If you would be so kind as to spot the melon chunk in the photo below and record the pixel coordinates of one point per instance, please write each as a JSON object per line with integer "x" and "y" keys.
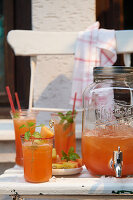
{"x": 46, "y": 132}
{"x": 64, "y": 165}
{"x": 57, "y": 166}
{"x": 54, "y": 155}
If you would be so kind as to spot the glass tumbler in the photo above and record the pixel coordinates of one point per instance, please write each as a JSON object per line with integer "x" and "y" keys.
{"x": 22, "y": 118}
{"x": 37, "y": 154}
{"x": 64, "y": 128}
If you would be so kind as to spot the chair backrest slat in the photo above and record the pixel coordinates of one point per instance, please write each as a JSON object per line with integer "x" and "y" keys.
{"x": 33, "y": 43}
{"x": 124, "y": 41}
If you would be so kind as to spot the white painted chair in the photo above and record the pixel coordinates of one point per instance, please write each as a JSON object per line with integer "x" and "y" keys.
{"x": 34, "y": 43}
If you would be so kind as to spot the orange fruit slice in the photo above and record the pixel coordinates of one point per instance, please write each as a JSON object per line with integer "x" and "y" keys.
{"x": 46, "y": 132}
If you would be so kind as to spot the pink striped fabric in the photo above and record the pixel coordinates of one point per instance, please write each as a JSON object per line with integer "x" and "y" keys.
{"x": 95, "y": 47}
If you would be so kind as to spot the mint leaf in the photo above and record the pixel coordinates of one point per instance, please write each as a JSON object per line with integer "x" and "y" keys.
{"x": 64, "y": 156}
{"x": 69, "y": 113}
{"x": 30, "y": 124}
{"x": 27, "y": 135}
{"x": 66, "y": 125}
{"x": 60, "y": 114}
{"x": 71, "y": 150}
{"x": 16, "y": 115}
{"x": 74, "y": 156}
{"x": 70, "y": 120}
{"x": 68, "y": 117}
{"x": 62, "y": 121}
{"x": 22, "y": 126}
{"x": 71, "y": 155}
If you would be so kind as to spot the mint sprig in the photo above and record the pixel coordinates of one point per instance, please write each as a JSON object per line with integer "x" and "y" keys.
{"x": 67, "y": 119}
{"x": 30, "y": 126}
{"x": 16, "y": 115}
{"x": 70, "y": 156}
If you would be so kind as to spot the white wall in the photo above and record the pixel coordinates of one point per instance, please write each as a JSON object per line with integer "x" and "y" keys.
{"x": 54, "y": 74}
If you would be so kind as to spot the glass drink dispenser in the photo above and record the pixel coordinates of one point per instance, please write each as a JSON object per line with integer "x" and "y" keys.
{"x": 107, "y": 126}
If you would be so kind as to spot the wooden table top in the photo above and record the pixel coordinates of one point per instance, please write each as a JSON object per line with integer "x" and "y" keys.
{"x": 80, "y": 185}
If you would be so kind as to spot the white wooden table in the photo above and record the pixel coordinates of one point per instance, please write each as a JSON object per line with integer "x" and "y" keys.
{"x": 80, "y": 186}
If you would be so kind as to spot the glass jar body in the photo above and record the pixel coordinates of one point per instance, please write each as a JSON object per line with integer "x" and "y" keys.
{"x": 107, "y": 124}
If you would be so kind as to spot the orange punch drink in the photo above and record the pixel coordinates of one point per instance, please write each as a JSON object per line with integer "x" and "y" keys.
{"x": 64, "y": 128}
{"x": 21, "y": 118}
{"x": 37, "y": 154}
{"x": 98, "y": 146}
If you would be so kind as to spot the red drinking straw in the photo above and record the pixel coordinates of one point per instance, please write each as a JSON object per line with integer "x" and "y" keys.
{"x": 10, "y": 99}
{"x": 75, "y": 96}
{"x": 17, "y": 100}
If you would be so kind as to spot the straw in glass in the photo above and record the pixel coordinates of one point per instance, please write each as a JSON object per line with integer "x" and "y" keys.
{"x": 17, "y": 100}
{"x": 10, "y": 98}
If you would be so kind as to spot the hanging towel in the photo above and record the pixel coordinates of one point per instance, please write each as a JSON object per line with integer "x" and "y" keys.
{"x": 94, "y": 47}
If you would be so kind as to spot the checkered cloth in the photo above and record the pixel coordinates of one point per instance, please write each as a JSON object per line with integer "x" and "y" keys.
{"x": 95, "y": 47}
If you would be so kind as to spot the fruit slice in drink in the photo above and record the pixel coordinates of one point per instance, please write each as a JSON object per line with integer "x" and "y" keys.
{"x": 46, "y": 132}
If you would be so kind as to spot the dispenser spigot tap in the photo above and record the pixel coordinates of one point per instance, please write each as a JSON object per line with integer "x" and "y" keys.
{"x": 117, "y": 162}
